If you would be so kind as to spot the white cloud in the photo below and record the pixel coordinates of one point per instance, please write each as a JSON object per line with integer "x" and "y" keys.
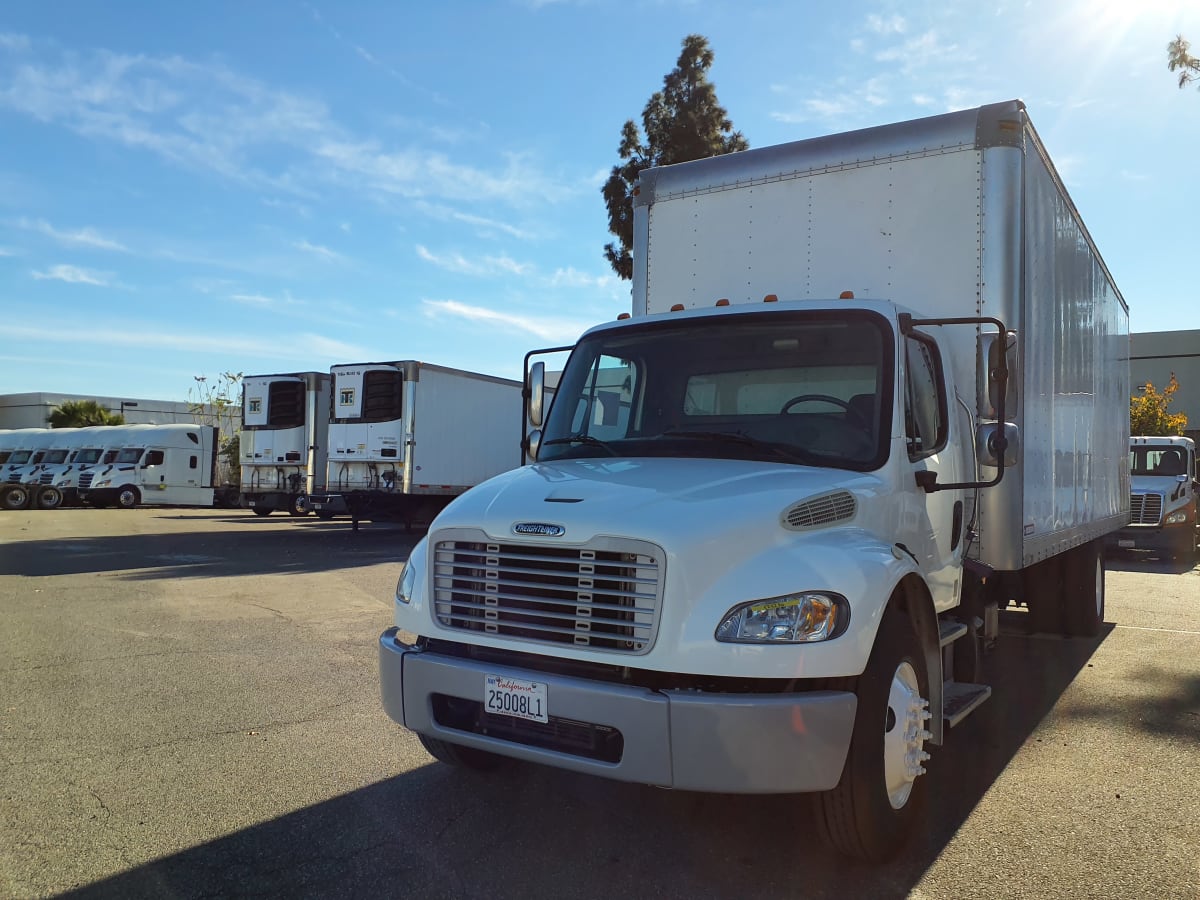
{"x": 83, "y": 237}
{"x": 1134, "y": 176}
{"x": 893, "y": 24}
{"x": 7, "y": 251}
{"x": 573, "y": 278}
{"x": 322, "y": 253}
{"x": 483, "y": 224}
{"x": 264, "y": 302}
{"x": 557, "y": 330}
{"x": 74, "y": 275}
{"x": 291, "y": 346}
{"x": 484, "y": 267}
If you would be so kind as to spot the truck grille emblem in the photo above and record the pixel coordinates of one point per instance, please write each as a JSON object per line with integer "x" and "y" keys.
{"x": 542, "y": 529}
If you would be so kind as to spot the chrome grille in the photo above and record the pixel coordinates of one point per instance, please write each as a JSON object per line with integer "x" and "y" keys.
{"x": 1145, "y": 509}
{"x": 47, "y": 478}
{"x": 605, "y": 596}
{"x": 85, "y": 480}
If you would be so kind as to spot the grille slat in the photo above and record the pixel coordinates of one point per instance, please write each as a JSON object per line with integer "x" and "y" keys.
{"x": 605, "y": 596}
{"x": 1145, "y": 509}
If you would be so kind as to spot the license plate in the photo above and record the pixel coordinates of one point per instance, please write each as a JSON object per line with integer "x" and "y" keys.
{"x": 1126, "y": 545}
{"x": 514, "y": 697}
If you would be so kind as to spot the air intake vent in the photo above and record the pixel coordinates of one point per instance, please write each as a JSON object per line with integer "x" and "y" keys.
{"x": 818, "y": 511}
{"x": 1145, "y": 509}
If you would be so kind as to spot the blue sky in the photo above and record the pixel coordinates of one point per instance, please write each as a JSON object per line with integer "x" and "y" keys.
{"x": 189, "y": 189}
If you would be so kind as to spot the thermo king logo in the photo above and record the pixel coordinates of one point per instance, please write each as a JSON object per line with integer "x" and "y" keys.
{"x": 539, "y": 528}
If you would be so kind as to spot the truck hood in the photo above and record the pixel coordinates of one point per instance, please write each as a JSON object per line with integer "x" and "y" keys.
{"x": 667, "y": 501}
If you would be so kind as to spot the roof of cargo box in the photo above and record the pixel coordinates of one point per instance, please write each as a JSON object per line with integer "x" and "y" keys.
{"x": 993, "y": 125}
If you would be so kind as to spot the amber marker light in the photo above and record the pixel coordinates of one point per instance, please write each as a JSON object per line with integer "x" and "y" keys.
{"x": 622, "y": 316}
{"x": 846, "y": 295}
{"x": 724, "y": 301}
{"x": 678, "y": 307}
{"x": 770, "y": 298}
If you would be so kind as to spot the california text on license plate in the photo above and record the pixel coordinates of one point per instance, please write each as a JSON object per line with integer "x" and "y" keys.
{"x": 514, "y": 697}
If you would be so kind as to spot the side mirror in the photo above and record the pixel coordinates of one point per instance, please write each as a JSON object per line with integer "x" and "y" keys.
{"x": 537, "y": 394}
{"x": 987, "y": 444}
{"x": 533, "y": 444}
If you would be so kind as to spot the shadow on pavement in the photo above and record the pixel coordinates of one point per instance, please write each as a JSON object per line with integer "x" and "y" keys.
{"x": 315, "y": 547}
{"x": 528, "y": 831}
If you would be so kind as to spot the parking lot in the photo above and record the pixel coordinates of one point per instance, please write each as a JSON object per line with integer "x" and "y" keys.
{"x": 190, "y": 709}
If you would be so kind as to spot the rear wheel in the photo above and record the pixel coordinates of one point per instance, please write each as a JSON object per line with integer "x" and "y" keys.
{"x": 128, "y": 497}
{"x": 461, "y": 757}
{"x": 875, "y": 808}
{"x": 262, "y": 510}
{"x": 48, "y": 498}
{"x": 299, "y": 506}
{"x": 1083, "y": 591}
{"x": 14, "y": 496}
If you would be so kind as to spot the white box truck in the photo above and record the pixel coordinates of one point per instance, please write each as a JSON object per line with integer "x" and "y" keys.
{"x": 407, "y": 437}
{"x": 1162, "y": 504}
{"x": 764, "y": 544}
{"x": 284, "y": 441}
{"x": 156, "y": 465}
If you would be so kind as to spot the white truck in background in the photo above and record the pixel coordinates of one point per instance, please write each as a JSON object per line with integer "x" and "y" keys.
{"x": 284, "y": 441}
{"x": 764, "y": 544}
{"x": 156, "y": 465}
{"x": 1163, "y": 498}
{"x": 22, "y": 449}
{"x": 407, "y": 437}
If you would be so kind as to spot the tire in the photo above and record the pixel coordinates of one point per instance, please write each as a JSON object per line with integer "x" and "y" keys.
{"x": 299, "y": 506}
{"x": 14, "y": 496}
{"x": 324, "y": 514}
{"x": 128, "y": 496}
{"x": 1043, "y": 587}
{"x": 48, "y": 498}
{"x": 461, "y": 757}
{"x": 1083, "y": 592}
{"x": 876, "y": 806}
{"x": 262, "y": 510}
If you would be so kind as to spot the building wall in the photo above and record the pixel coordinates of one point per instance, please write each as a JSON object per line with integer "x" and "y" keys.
{"x": 1154, "y": 355}
{"x": 32, "y": 410}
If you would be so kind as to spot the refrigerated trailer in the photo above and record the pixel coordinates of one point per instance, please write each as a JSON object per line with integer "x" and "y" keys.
{"x": 407, "y": 437}
{"x": 874, "y": 389}
{"x": 283, "y": 443}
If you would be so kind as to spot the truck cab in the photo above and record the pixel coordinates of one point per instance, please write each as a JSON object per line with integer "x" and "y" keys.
{"x": 26, "y": 447}
{"x": 1163, "y": 498}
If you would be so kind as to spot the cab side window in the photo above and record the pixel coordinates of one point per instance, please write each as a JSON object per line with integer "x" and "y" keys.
{"x": 924, "y": 401}
{"x": 154, "y": 458}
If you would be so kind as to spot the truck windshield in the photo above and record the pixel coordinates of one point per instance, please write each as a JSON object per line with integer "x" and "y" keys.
{"x": 800, "y": 387}
{"x": 56, "y": 456}
{"x": 1157, "y": 461}
{"x": 130, "y": 455}
{"x": 20, "y": 456}
{"x": 87, "y": 456}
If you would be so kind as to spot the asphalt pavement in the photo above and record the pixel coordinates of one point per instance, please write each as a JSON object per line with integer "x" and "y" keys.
{"x": 189, "y": 708}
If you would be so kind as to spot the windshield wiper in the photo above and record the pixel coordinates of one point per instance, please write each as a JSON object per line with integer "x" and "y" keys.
{"x": 738, "y": 437}
{"x": 582, "y": 438}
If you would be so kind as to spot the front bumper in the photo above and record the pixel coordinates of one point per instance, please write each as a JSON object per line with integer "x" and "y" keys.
{"x": 690, "y": 740}
{"x": 1178, "y": 540}
{"x": 328, "y": 503}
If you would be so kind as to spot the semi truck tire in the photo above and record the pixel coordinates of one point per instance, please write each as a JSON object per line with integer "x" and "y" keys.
{"x": 14, "y": 496}
{"x": 1044, "y": 589}
{"x": 299, "y": 506}
{"x": 48, "y": 498}
{"x": 461, "y": 757}
{"x": 1083, "y": 591}
{"x": 128, "y": 497}
{"x": 262, "y": 510}
{"x": 875, "y": 807}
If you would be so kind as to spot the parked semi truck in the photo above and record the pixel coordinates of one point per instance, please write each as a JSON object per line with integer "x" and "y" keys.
{"x": 1163, "y": 505}
{"x": 873, "y": 390}
{"x": 284, "y": 441}
{"x": 22, "y": 448}
{"x": 157, "y": 465}
{"x": 407, "y": 437}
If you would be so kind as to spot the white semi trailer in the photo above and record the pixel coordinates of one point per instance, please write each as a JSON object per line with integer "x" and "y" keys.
{"x": 284, "y": 441}
{"x": 407, "y": 437}
{"x": 1163, "y": 498}
{"x": 764, "y": 543}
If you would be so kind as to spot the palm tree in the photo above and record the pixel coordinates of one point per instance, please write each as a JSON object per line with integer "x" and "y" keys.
{"x": 80, "y": 413}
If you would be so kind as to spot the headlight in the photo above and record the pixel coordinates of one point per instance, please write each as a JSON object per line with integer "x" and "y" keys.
{"x": 104, "y": 482}
{"x": 792, "y": 619}
{"x": 407, "y": 582}
{"x": 1176, "y": 517}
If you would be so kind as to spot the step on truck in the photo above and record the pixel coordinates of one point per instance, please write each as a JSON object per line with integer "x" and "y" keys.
{"x": 407, "y": 437}
{"x": 1162, "y": 505}
{"x": 284, "y": 441}
{"x": 873, "y": 389}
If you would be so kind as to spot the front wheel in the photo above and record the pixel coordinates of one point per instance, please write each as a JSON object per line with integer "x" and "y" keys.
{"x": 15, "y": 496}
{"x": 875, "y": 808}
{"x": 48, "y": 497}
{"x": 128, "y": 497}
{"x": 299, "y": 506}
